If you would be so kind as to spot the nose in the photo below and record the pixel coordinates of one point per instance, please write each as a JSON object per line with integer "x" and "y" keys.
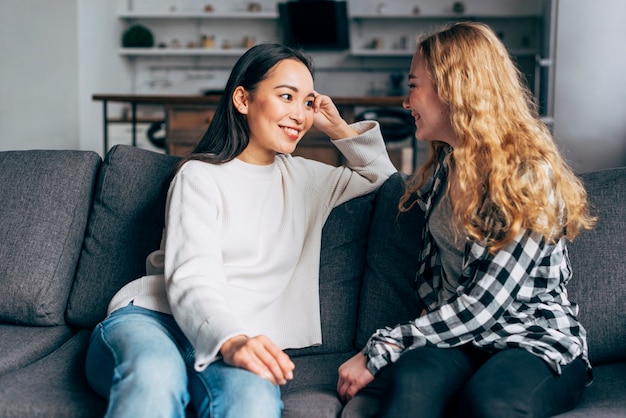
{"x": 405, "y": 103}
{"x": 297, "y": 113}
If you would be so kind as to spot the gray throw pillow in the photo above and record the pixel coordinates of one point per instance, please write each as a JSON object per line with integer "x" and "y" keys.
{"x": 125, "y": 225}
{"x": 342, "y": 261}
{"x": 44, "y": 205}
{"x": 387, "y": 296}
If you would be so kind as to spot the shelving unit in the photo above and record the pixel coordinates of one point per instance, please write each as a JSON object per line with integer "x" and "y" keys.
{"x": 383, "y": 34}
{"x": 192, "y": 25}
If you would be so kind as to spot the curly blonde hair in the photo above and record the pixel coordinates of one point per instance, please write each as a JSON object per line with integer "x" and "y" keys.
{"x": 509, "y": 174}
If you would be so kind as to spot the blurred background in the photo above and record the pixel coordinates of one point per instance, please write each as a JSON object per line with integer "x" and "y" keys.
{"x": 56, "y": 55}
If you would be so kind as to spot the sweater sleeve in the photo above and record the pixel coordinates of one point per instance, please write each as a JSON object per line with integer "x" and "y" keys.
{"x": 367, "y": 165}
{"x": 194, "y": 274}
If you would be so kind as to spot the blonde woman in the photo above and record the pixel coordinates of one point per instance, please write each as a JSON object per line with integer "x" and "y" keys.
{"x": 498, "y": 336}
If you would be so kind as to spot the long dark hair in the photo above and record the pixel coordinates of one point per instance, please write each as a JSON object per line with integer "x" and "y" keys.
{"x": 228, "y": 133}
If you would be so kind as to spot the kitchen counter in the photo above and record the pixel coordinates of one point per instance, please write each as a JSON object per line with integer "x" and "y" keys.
{"x": 187, "y": 117}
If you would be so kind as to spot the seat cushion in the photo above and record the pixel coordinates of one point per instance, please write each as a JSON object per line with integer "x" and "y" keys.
{"x": 46, "y": 196}
{"x": 22, "y": 345}
{"x": 605, "y": 397}
{"x": 312, "y": 392}
{"x": 54, "y": 386}
{"x": 125, "y": 225}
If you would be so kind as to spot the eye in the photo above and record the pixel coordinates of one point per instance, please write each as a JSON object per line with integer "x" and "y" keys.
{"x": 411, "y": 85}
{"x": 309, "y": 103}
{"x": 286, "y": 96}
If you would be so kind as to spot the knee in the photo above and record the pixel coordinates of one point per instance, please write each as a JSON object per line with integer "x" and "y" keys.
{"x": 254, "y": 398}
{"x": 481, "y": 404}
{"x": 154, "y": 370}
{"x": 261, "y": 396}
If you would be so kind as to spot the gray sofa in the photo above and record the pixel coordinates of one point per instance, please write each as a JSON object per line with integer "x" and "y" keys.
{"x": 75, "y": 228}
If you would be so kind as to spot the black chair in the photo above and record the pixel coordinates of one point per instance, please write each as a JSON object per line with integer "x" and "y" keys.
{"x": 396, "y": 124}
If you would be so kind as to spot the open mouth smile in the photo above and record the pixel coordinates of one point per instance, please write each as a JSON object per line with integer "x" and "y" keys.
{"x": 292, "y": 133}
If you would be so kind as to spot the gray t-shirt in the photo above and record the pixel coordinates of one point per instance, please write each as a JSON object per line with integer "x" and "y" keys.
{"x": 450, "y": 244}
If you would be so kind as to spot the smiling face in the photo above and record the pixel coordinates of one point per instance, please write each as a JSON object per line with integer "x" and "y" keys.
{"x": 279, "y": 111}
{"x": 432, "y": 117}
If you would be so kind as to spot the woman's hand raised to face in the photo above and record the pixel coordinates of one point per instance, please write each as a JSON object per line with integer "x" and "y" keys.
{"x": 328, "y": 120}
{"x": 260, "y": 356}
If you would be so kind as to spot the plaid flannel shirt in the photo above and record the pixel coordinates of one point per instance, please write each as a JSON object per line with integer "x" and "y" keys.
{"x": 514, "y": 298}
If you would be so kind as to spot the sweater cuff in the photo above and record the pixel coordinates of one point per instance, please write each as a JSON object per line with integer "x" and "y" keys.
{"x": 209, "y": 341}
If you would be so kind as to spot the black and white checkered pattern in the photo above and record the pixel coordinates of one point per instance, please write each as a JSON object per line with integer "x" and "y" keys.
{"x": 514, "y": 298}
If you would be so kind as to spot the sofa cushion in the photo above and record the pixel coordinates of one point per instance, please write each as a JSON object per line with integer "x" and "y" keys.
{"x": 54, "y": 386}
{"x": 45, "y": 198}
{"x": 125, "y": 225}
{"x": 312, "y": 404}
{"x": 387, "y": 296}
{"x": 22, "y": 345}
{"x": 342, "y": 261}
{"x": 605, "y": 397}
{"x": 598, "y": 284}
{"x": 313, "y": 390}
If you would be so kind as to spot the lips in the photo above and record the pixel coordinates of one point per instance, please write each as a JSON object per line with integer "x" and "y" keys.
{"x": 292, "y": 133}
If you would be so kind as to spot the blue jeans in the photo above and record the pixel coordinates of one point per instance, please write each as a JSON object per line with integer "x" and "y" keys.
{"x": 142, "y": 363}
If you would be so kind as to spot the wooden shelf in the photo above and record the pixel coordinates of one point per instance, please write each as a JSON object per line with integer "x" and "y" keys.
{"x": 198, "y": 15}
{"x": 443, "y": 16}
{"x": 235, "y": 52}
{"x": 381, "y": 53}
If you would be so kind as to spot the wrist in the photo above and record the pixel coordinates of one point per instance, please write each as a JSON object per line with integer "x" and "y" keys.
{"x": 341, "y": 131}
{"x": 232, "y": 343}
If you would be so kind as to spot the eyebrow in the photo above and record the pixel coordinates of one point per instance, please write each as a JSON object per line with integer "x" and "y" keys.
{"x": 311, "y": 94}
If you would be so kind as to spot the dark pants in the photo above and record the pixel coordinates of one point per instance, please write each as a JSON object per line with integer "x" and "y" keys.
{"x": 467, "y": 382}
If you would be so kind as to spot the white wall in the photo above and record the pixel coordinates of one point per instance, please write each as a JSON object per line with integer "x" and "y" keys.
{"x": 100, "y": 68}
{"x": 38, "y": 74}
{"x": 590, "y": 91}
{"x": 55, "y": 54}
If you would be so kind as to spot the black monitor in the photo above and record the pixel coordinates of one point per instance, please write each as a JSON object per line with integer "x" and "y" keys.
{"x": 315, "y": 24}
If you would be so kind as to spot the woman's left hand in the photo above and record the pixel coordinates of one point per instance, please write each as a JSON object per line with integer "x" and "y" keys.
{"x": 328, "y": 120}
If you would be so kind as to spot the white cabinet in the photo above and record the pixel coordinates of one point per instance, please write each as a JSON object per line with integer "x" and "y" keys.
{"x": 383, "y": 35}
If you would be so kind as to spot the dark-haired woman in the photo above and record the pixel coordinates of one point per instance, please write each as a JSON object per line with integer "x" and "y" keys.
{"x": 241, "y": 253}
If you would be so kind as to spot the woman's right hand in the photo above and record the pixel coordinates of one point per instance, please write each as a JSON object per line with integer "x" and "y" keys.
{"x": 260, "y": 356}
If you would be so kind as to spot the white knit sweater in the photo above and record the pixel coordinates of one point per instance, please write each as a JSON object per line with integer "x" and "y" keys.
{"x": 242, "y": 244}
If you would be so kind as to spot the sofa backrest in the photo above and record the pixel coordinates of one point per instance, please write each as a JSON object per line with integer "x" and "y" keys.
{"x": 598, "y": 260}
{"x": 125, "y": 225}
{"x": 342, "y": 263}
{"x": 45, "y": 198}
{"x": 387, "y": 297}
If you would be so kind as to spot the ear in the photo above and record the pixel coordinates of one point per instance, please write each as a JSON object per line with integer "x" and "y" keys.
{"x": 241, "y": 100}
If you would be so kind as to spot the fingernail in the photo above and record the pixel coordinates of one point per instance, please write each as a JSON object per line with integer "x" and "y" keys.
{"x": 289, "y": 375}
